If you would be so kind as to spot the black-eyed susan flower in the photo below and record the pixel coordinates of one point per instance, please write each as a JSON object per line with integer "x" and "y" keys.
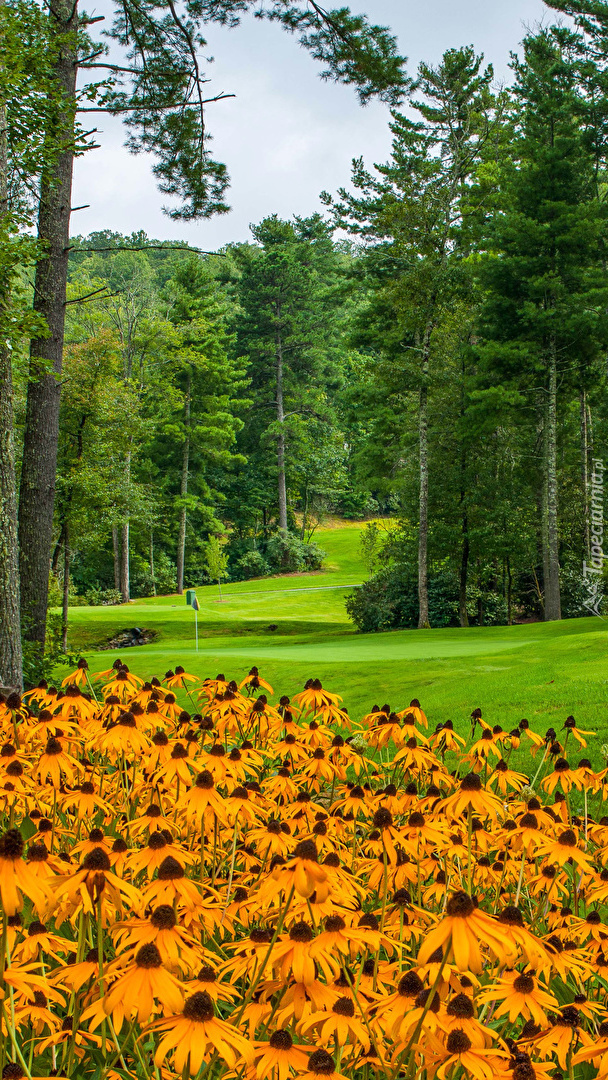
{"x": 279, "y": 1057}
{"x": 195, "y": 1033}
{"x": 519, "y": 994}
{"x": 461, "y": 933}
{"x": 145, "y": 989}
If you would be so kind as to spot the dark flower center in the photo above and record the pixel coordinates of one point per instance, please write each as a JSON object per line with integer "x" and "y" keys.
{"x": 321, "y": 1063}
{"x": 410, "y": 984}
{"x": 567, "y": 838}
{"x": 301, "y": 932}
{"x": 461, "y": 1006}
{"x": 383, "y": 818}
{"x": 204, "y": 780}
{"x": 170, "y": 869}
{"x": 281, "y": 1040}
{"x": 148, "y": 957}
{"x": 199, "y": 1007}
{"x": 343, "y": 1007}
{"x": 524, "y": 984}
{"x": 156, "y": 841}
{"x": 306, "y": 849}
{"x": 207, "y": 974}
{"x": 96, "y": 859}
{"x": 457, "y": 1042}
{"x": 460, "y": 905}
{"x": 163, "y": 917}
{"x": 11, "y": 844}
{"x": 471, "y": 782}
{"x": 511, "y": 916}
{"x": 333, "y": 923}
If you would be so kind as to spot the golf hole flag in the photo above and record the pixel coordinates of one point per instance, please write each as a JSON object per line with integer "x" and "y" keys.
{"x": 192, "y": 600}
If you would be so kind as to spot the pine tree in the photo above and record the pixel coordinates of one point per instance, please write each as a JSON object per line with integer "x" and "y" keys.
{"x": 546, "y": 292}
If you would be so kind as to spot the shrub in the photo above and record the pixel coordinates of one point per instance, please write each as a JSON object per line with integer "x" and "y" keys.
{"x": 287, "y": 554}
{"x": 96, "y": 597}
{"x": 251, "y": 565}
{"x": 389, "y": 600}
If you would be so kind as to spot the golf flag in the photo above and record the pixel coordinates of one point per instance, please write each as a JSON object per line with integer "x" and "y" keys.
{"x": 192, "y": 601}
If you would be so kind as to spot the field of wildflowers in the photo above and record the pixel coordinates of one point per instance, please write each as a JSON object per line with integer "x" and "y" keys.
{"x": 198, "y": 883}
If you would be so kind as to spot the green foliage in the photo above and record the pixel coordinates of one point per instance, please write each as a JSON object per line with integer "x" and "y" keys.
{"x": 389, "y": 600}
{"x": 216, "y": 559}
{"x": 286, "y": 554}
{"x": 102, "y": 597}
{"x": 39, "y": 664}
{"x": 250, "y": 565}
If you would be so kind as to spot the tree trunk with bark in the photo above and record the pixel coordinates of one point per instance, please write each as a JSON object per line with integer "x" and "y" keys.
{"x": 66, "y": 591}
{"x": 181, "y": 538}
{"x": 282, "y": 487}
{"x": 585, "y": 472}
{"x": 464, "y": 572}
{"x": 11, "y": 662}
{"x": 124, "y": 563}
{"x": 152, "y": 563}
{"x": 116, "y": 553}
{"x": 423, "y": 466}
{"x": 552, "y": 587}
{"x": 38, "y": 473}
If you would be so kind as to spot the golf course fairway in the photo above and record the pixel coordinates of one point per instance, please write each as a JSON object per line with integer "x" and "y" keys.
{"x": 295, "y": 628}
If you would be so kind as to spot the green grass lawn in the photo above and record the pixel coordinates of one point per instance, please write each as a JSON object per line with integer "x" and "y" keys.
{"x": 542, "y": 671}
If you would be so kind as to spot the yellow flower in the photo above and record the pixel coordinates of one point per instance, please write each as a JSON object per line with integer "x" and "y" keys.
{"x": 196, "y": 1033}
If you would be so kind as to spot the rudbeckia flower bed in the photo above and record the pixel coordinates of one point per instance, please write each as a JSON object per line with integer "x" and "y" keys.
{"x": 198, "y": 882}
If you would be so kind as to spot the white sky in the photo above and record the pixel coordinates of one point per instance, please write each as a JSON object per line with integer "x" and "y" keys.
{"x": 287, "y": 135}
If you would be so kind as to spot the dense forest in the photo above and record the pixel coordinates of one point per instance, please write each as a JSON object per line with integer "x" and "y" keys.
{"x": 431, "y": 349}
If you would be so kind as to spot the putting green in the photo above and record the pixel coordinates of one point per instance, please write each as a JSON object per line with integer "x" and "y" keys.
{"x": 295, "y": 628}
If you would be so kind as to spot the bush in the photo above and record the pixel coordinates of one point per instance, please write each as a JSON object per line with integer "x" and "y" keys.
{"x": 287, "y": 554}
{"x": 251, "y": 565}
{"x": 165, "y": 576}
{"x": 494, "y": 608}
{"x": 96, "y": 597}
{"x": 389, "y": 600}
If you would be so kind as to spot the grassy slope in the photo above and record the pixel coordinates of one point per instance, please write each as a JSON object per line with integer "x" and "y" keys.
{"x": 539, "y": 671}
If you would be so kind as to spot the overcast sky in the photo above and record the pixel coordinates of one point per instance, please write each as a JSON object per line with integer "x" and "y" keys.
{"x": 287, "y": 135}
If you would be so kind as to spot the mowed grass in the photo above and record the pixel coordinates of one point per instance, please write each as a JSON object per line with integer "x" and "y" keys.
{"x": 544, "y": 672}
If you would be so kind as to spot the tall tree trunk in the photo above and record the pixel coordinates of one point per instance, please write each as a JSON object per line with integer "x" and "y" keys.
{"x": 124, "y": 563}
{"x": 38, "y": 473}
{"x": 464, "y": 570}
{"x": 509, "y": 593}
{"x": 125, "y": 588}
{"x": 423, "y": 528}
{"x": 281, "y": 439}
{"x": 541, "y": 498}
{"x": 552, "y": 588}
{"x": 181, "y": 538}
{"x": 66, "y": 590}
{"x": 304, "y": 514}
{"x": 116, "y": 553}
{"x": 585, "y": 472}
{"x": 11, "y": 664}
{"x": 152, "y": 562}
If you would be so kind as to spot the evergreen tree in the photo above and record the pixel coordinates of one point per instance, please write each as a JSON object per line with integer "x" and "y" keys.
{"x": 287, "y": 330}
{"x": 410, "y": 212}
{"x": 546, "y": 295}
